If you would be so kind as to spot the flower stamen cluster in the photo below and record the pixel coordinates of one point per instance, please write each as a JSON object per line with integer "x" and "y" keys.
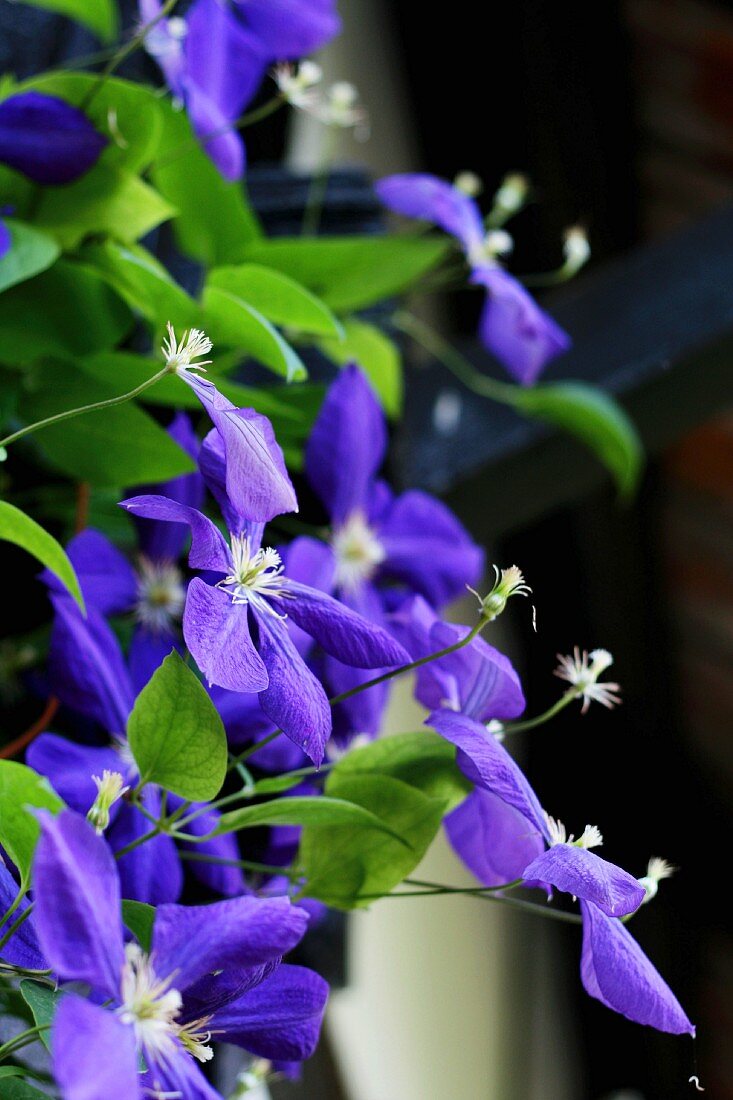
{"x": 254, "y": 575}
{"x": 161, "y": 595}
{"x": 657, "y": 870}
{"x": 150, "y": 1005}
{"x": 110, "y": 788}
{"x": 358, "y": 552}
{"x": 581, "y": 671}
{"x": 591, "y": 837}
{"x": 179, "y": 355}
{"x": 507, "y": 583}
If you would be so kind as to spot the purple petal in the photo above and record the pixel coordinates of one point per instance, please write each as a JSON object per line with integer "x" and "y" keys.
{"x": 208, "y": 546}
{"x": 585, "y": 875}
{"x": 616, "y": 972}
{"x": 242, "y": 715}
{"x": 225, "y": 880}
{"x": 77, "y": 903}
{"x": 220, "y": 141}
{"x": 347, "y": 445}
{"x": 93, "y": 1052}
{"x": 6, "y": 239}
{"x": 514, "y": 328}
{"x": 161, "y": 541}
{"x": 47, "y": 139}
{"x": 70, "y": 768}
{"x": 257, "y": 481}
{"x": 494, "y": 840}
{"x": 280, "y": 1018}
{"x": 362, "y": 713}
{"x": 147, "y": 653}
{"x": 86, "y": 666}
{"x": 428, "y": 549}
{"x": 194, "y": 942}
{"x": 23, "y": 948}
{"x": 417, "y": 195}
{"x": 289, "y": 29}
{"x": 487, "y": 764}
{"x": 177, "y": 1077}
{"x": 151, "y": 872}
{"x": 340, "y": 631}
{"x": 217, "y": 633}
{"x": 107, "y": 579}
{"x": 311, "y": 562}
{"x": 295, "y": 699}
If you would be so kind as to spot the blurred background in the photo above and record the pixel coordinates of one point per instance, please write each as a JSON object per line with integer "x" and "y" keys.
{"x": 621, "y": 114}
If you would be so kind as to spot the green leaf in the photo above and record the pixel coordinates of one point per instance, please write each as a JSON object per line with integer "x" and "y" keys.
{"x": 12, "y": 1071}
{"x": 144, "y": 284}
{"x": 31, "y": 252}
{"x": 307, "y": 810}
{"x": 42, "y": 1001}
{"x": 176, "y": 734}
{"x": 214, "y": 223}
{"x": 20, "y": 529}
{"x": 106, "y": 200}
{"x": 349, "y": 273}
{"x": 422, "y": 759}
{"x": 129, "y": 115}
{"x": 231, "y": 321}
{"x": 20, "y": 788}
{"x": 121, "y": 445}
{"x": 278, "y": 298}
{"x": 139, "y": 918}
{"x": 378, "y": 357}
{"x": 348, "y": 868}
{"x": 17, "y": 1089}
{"x": 67, "y": 309}
{"x": 99, "y": 15}
{"x": 594, "y": 418}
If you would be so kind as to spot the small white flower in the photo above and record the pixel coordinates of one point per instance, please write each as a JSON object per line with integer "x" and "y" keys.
{"x": 357, "y": 550}
{"x": 582, "y": 670}
{"x": 297, "y": 84}
{"x": 110, "y": 788}
{"x": 591, "y": 836}
{"x": 341, "y": 109}
{"x": 657, "y": 870}
{"x": 179, "y": 356}
{"x": 507, "y": 583}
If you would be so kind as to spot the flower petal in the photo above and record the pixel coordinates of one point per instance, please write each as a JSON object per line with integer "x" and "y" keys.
{"x": 290, "y": 29}
{"x": 93, "y": 1052}
{"x": 487, "y": 764}
{"x": 216, "y": 631}
{"x": 196, "y": 941}
{"x": 107, "y": 579}
{"x": 70, "y": 768}
{"x": 47, "y": 139}
{"x": 23, "y": 948}
{"x": 208, "y": 546}
{"x": 147, "y": 652}
{"x": 77, "y": 903}
{"x": 616, "y": 972}
{"x": 162, "y": 541}
{"x": 295, "y": 699}
{"x": 428, "y": 549}
{"x": 585, "y": 875}
{"x": 513, "y": 327}
{"x": 178, "y": 1078}
{"x": 347, "y": 445}
{"x": 341, "y": 632}
{"x": 494, "y": 840}
{"x": 223, "y": 879}
{"x": 151, "y": 872}
{"x": 418, "y": 195}
{"x": 278, "y": 1019}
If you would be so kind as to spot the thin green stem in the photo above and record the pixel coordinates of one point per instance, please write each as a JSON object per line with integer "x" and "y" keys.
{"x": 245, "y": 864}
{"x": 532, "y": 723}
{"x": 125, "y": 51}
{"x": 22, "y": 1040}
{"x": 14, "y": 905}
{"x": 248, "y": 119}
{"x": 16, "y": 925}
{"x": 137, "y": 842}
{"x": 318, "y": 187}
{"x": 248, "y": 752}
{"x": 488, "y": 894}
{"x": 68, "y": 414}
{"x": 457, "y": 364}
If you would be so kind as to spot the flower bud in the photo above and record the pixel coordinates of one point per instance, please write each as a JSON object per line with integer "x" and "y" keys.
{"x": 508, "y": 582}
{"x": 512, "y": 194}
{"x": 657, "y": 869}
{"x": 469, "y": 184}
{"x": 110, "y": 788}
{"x": 576, "y": 249}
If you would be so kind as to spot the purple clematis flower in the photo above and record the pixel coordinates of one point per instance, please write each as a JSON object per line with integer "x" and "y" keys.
{"x": 89, "y": 675}
{"x": 22, "y": 949}
{"x": 381, "y": 546}
{"x": 211, "y": 970}
{"x": 236, "y": 628}
{"x": 614, "y": 969}
{"x": 513, "y": 327}
{"x": 215, "y": 60}
{"x": 47, "y": 139}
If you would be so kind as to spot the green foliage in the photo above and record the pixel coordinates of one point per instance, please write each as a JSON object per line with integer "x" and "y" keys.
{"x": 99, "y": 15}
{"x": 596, "y": 419}
{"x": 350, "y": 273}
{"x": 21, "y": 789}
{"x": 144, "y": 284}
{"x": 20, "y": 529}
{"x": 31, "y": 252}
{"x": 304, "y": 810}
{"x": 278, "y": 298}
{"x": 176, "y": 734}
{"x": 231, "y": 321}
{"x": 139, "y": 918}
{"x": 423, "y": 760}
{"x": 16, "y": 1089}
{"x": 42, "y": 1001}
{"x": 378, "y": 357}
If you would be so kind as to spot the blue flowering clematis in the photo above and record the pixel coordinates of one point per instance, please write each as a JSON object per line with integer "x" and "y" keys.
{"x": 215, "y": 60}
{"x": 382, "y": 547}
{"x": 613, "y": 969}
{"x": 512, "y": 327}
{"x": 89, "y": 675}
{"x": 211, "y": 970}
{"x": 47, "y": 139}
{"x": 237, "y": 629}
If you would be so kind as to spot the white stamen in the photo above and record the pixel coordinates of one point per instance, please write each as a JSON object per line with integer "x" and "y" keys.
{"x": 590, "y": 837}
{"x": 511, "y": 195}
{"x": 297, "y": 85}
{"x": 496, "y": 729}
{"x": 582, "y": 672}
{"x": 195, "y": 1037}
{"x": 469, "y": 184}
{"x": 657, "y": 869}
{"x": 576, "y": 249}
{"x": 110, "y": 788}
{"x": 507, "y": 583}
{"x": 149, "y": 1005}
{"x": 255, "y": 578}
{"x": 342, "y": 109}
{"x": 179, "y": 356}
{"x": 160, "y": 595}
{"x": 358, "y": 552}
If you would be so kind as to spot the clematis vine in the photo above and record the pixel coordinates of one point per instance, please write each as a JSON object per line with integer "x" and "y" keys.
{"x": 212, "y": 972}
{"x": 513, "y": 327}
{"x": 237, "y": 629}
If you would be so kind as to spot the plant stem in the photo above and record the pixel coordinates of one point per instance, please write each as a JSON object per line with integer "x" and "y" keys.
{"x": 125, "y": 51}
{"x": 137, "y": 842}
{"x": 21, "y": 1040}
{"x": 70, "y": 413}
{"x": 532, "y": 723}
{"x": 487, "y": 894}
{"x": 248, "y": 119}
{"x": 245, "y": 864}
{"x": 457, "y": 364}
{"x": 17, "y": 922}
{"x": 318, "y": 187}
